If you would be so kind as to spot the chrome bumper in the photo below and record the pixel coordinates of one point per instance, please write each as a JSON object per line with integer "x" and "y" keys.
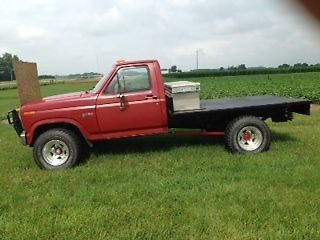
{"x": 23, "y": 138}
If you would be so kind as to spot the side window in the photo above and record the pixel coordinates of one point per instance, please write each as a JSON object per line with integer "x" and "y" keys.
{"x": 130, "y": 79}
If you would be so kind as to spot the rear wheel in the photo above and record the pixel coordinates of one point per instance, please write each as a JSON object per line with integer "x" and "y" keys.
{"x": 248, "y": 134}
{"x": 57, "y": 149}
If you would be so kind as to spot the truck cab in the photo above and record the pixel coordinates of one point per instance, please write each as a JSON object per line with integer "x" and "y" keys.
{"x": 131, "y": 101}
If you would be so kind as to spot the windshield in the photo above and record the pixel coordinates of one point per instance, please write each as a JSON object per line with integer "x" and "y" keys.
{"x": 102, "y": 81}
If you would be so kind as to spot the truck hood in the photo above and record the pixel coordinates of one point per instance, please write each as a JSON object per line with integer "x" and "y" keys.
{"x": 69, "y": 100}
{"x": 63, "y": 97}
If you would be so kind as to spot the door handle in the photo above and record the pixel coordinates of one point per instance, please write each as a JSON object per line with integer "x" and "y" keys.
{"x": 150, "y": 97}
{"x": 122, "y": 103}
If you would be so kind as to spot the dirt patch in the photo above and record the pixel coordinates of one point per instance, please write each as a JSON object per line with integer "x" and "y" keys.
{"x": 315, "y": 107}
{"x": 77, "y": 81}
{"x": 4, "y": 121}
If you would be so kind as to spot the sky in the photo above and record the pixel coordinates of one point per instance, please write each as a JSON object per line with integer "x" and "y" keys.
{"x": 75, "y": 36}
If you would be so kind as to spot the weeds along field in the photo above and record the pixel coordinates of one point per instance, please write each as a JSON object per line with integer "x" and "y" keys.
{"x": 166, "y": 187}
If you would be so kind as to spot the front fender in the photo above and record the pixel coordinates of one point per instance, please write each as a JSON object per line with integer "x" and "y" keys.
{"x": 30, "y": 136}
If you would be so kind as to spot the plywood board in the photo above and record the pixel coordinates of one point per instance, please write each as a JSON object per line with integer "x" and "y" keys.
{"x": 27, "y": 81}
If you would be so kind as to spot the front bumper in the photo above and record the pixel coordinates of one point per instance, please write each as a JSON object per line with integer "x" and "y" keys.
{"x": 23, "y": 138}
{"x": 14, "y": 119}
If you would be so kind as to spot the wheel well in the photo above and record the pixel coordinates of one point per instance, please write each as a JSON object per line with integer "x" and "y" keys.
{"x": 233, "y": 118}
{"x": 43, "y": 128}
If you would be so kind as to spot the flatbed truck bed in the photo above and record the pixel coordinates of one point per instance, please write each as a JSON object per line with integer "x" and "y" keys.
{"x": 214, "y": 114}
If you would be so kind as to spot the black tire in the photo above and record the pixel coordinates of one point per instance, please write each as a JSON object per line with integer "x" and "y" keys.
{"x": 247, "y": 134}
{"x": 57, "y": 148}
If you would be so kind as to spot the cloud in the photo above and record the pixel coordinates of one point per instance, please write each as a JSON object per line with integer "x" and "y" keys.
{"x": 29, "y": 32}
{"x": 77, "y": 36}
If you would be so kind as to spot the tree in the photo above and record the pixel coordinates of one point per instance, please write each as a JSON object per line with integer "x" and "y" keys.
{"x": 232, "y": 68}
{"x": 6, "y": 68}
{"x": 284, "y": 65}
{"x": 300, "y": 65}
{"x": 173, "y": 69}
{"x": 242, "y": 67}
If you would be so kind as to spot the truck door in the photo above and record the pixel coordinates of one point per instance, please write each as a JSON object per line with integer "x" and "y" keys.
{"x": 130, "y": 103}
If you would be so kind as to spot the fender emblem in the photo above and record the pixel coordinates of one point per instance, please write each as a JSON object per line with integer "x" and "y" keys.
{"x": 87, "y": 114}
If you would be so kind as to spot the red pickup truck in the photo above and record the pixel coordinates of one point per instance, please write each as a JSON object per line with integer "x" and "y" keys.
{"x": 131, "y": 101}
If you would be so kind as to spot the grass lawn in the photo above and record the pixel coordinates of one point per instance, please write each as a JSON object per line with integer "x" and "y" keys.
{"x": 168, "y": 187}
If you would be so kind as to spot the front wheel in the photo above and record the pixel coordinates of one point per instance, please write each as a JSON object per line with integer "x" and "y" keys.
{"x": 248, "y": 134}
{"x": 57, "y": 149}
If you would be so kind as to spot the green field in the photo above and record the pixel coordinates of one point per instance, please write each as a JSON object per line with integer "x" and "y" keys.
{"x": 166, "y": 187}
{"x": 298, "y": 85}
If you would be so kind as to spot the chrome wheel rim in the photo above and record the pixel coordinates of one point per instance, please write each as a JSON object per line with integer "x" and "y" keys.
{"x": 55, "y": 152}
{"x": 250, "y": 138}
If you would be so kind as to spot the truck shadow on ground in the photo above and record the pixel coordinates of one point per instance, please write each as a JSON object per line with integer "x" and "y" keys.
{"x": 165, "y": 143}
{"x": 152, "y": 144}
{"x": 282, "y": 137}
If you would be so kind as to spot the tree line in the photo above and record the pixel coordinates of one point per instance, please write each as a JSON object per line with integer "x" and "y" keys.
{"x": 7, "y": 73}
{"x": 243, "y": 70}
{"x": 6, "y": 68}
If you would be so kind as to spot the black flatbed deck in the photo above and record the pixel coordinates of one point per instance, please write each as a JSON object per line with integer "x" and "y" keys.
{"x": 239, "y": 103}
{"x": 213, "y": 112}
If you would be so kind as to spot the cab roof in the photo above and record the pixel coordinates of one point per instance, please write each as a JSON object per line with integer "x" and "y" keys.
{"x": 124, "y": 62}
